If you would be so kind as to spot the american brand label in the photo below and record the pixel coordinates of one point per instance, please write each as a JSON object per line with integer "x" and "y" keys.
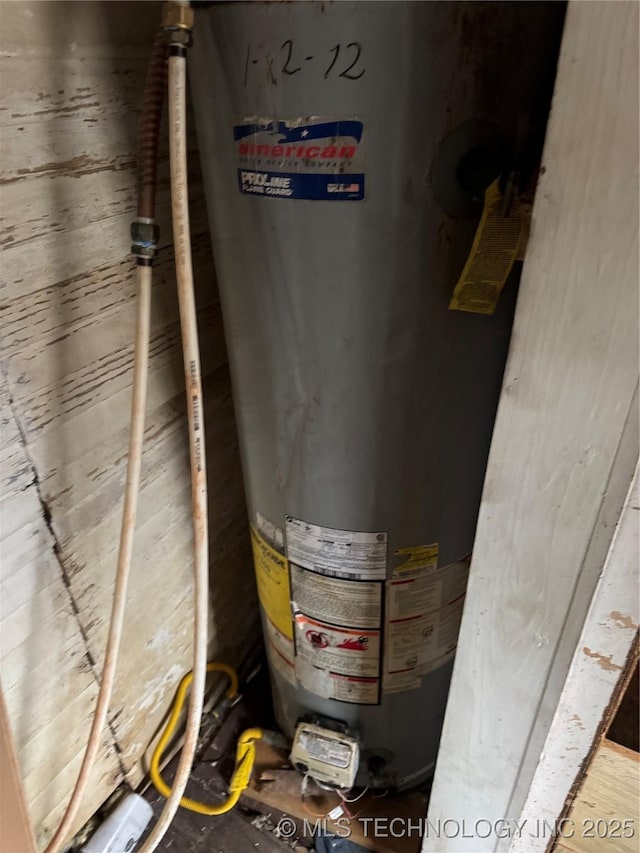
{"x": 313, "y": 158}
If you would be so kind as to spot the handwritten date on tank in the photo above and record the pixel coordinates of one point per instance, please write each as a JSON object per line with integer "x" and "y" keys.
{"x": 343, "y": 60}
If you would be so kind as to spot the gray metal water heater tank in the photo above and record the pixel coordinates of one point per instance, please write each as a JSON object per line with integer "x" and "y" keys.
{"x": 346, "y": 147}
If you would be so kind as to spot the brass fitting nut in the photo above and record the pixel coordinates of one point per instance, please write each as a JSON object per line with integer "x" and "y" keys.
{"x": 176, "y": 16}
{"x": 178, "y": 36}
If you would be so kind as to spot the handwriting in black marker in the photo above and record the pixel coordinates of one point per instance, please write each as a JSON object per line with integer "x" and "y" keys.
{"x": 333, "y": 61}
{"x": 246, "y": 64}
{"x": 345, "y": 73}
{"x": 287, "y": 49}
{"x": 285, "y": 68}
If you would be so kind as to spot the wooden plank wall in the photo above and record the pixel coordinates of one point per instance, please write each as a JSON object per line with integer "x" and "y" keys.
{"x": 16, "y": 832}
{"x": 72, "y": 76}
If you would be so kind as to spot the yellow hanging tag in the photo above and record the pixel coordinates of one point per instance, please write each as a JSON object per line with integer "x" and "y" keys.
{"x": 495, "y": 248}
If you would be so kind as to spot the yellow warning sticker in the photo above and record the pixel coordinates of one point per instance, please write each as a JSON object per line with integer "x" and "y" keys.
{"x": 495, "y": 248}
{"x": 272, "y": 576}
{"x": 418, "y": 557}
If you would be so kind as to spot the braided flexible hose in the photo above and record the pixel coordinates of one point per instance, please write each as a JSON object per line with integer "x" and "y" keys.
{"x": 149, "y": 129}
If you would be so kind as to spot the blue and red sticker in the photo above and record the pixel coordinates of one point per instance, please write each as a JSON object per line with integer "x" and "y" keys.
{"x": 318, "y": 159}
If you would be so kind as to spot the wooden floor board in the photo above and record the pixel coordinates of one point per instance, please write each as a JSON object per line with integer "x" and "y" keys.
{"x": 605, "y": 815}
{"x": 230, "y": 833}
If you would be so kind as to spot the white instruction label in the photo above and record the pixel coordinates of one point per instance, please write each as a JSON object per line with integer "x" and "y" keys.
{"x": 327, "y": 750}
{"x": 423, "y": 620}
{"x": 399, "y": 682}
{"x": 359, "y": 690}
{"x": 338, "y": 553}
{"x": 422, "y": 643}
{"x": 281, "y": 652}
{"x": 357, "y": 604}
{"x": 426, "y": 591}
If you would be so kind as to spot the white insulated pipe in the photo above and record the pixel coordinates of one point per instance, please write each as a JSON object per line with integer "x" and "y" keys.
{"x": 191, "y": 356}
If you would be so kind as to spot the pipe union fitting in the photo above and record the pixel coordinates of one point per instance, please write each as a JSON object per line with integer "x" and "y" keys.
{"x": 143, "y": 251}
{"x": 144, "y": 232}
{"x": 144, "y": 237}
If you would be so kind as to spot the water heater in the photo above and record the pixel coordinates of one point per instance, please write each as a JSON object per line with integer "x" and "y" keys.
{"x": 346, "y": 148}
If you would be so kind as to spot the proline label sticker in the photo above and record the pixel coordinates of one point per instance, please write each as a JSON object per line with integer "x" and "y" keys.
{"x": 315, "y": 158}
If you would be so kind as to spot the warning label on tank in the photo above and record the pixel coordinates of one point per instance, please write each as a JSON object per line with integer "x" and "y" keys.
{"x": 339, "y": 553}
{"x": 356, "y": 604}
{"x": 272, "y": 578}
{"x": 336, "y": 662}
{"x": 422, "y": 623}
{"x": 315, "y": 158}
{"x": 426, "y": 592}
{"x": 280, "y": 651}
{"x": 422, "y": 643}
